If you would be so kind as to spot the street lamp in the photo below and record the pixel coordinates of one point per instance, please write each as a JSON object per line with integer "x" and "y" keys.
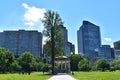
{"x": 72, "y": 63}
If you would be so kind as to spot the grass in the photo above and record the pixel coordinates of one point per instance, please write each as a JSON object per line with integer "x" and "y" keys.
{"x": 78, "y": 75}
{"x": 33, "y": 76}
{"x": 97, "y": 75}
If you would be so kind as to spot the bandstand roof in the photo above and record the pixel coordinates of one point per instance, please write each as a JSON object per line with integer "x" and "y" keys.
{"x": 62, "y": 58}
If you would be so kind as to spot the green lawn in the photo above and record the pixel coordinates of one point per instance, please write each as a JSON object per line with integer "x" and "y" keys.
{"x": 33, "y": 76}
{"x": 97, "y": 75}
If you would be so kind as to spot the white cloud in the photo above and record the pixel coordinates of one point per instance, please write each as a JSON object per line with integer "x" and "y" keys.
{"x": 44, "y": 40}
{"x": 29, "y": 23}
{"x": 41, "y": 27}
{"x": 33, "y": 15}
{"x": 25, "y": 5}
{"x": 108, "y": 39}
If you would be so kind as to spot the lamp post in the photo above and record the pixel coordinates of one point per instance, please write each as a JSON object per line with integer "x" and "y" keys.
{"x": 72, "y": 63}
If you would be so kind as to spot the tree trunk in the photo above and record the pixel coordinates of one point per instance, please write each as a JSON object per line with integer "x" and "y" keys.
{"x": 53, "y": 50}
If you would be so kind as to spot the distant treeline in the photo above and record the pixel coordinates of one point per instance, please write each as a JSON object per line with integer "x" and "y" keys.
{"x": 26, "y": 63}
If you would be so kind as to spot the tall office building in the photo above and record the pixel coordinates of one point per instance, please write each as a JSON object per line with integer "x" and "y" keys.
{"x": 105, "y": 52}
{"x": 68, "y": 47}
{"x": 89, "y": 40}
{"x": 65, "y": 33}
{"x": 117, "y": 48}
{"x": 21, "y": 41}
{"x": 112, "y": 54}
{"x": 65, "y": 38}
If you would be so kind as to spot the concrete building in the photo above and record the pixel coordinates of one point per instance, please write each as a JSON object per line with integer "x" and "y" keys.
{"x": 117, "y": 48}
{"x": 89, "y": 40}
{"x": 21, "y": 41}
{"x": 105, "y": 52}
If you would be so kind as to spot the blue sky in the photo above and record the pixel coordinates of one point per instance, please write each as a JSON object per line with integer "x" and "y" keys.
{"x": 26, "y": 14}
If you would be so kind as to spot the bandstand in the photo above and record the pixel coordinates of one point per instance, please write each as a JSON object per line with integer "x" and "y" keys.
{"x": 62, "y": 64}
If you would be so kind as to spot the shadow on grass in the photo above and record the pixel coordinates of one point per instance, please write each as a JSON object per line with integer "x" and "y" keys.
{"x": 45, "y": 73}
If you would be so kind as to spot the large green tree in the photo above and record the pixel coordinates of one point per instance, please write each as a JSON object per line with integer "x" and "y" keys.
{"x": 116, "y": 63}
{"x": 84, "y": 65}
{"x": 75, "y": 59}
{"x": 26, "y": 60}
{"x": 54, "y": 42}
{"x": 102, "y": 64}
{"x": 6, "y": 58}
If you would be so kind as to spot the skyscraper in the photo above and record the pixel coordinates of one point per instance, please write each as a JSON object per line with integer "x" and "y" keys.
{"x": 21, "y": 41}
{"x": 68, "y": 47}
{"x": 89, "y": 40}
{"x": 65, "y": 37}
{"x": 112, "y": 53}
{"x": 117, "y": 48}
{"x": 105, "y": 52}
{"x": 65, "y": 33}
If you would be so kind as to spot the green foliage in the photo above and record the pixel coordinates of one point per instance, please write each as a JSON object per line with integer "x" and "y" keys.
{"x": 34, "y": 65}
{"x": 52, "y": 19}
{"x": 15, "y": 67}
{"x": 44, "y": 60}
{"x": 25, "y": 63}
{"x": 84, "y": 65}
{"x": 26, "y": 60}
{"x": 40, "y": 66}
{"x": 116, "y": 64}
{"x": 102, "y": 64}
{"x": 6, "y": 58}
{"x": 45, "y": 67}
{"x": 75, "y": 59}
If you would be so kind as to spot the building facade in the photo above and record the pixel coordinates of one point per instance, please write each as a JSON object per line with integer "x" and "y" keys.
{"x": 65, "y": 38}
{"x": 70, "y": 48}
{"x": 117, "y": 49}
{"x": 89, "y": 40}
{"x": 21, "y": 41}
{"x": 112, "y": 54}
{"x": 105, "y": 52}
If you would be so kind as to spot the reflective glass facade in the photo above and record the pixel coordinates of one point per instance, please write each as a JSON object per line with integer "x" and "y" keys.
{"x": 89, "y": 40}
{"x": 21, "y": 41}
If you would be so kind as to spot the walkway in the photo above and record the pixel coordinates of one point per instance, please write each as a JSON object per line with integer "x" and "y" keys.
{"x": 61, "y": 77}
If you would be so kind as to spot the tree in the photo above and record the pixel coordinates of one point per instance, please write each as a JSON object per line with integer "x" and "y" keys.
{"x": 102, "y": 64}
{"x": 84, "y": 65}
{"x": 40, "y": 66}
{"x": 15, "y": 67}
{"x": 45, "y": 67}
{"x": 6, "y": 58}
{"x": 75, "y": 59}
{"x": 54, "y": 42}
{"x": 26, "y": 60}
{"x": 116, "y": 64}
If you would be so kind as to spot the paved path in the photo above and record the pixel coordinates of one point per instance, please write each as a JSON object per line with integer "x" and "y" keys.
{"x": 61, "y": 77}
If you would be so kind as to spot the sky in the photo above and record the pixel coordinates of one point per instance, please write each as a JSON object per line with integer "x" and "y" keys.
{"x": 27, "y": 14}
